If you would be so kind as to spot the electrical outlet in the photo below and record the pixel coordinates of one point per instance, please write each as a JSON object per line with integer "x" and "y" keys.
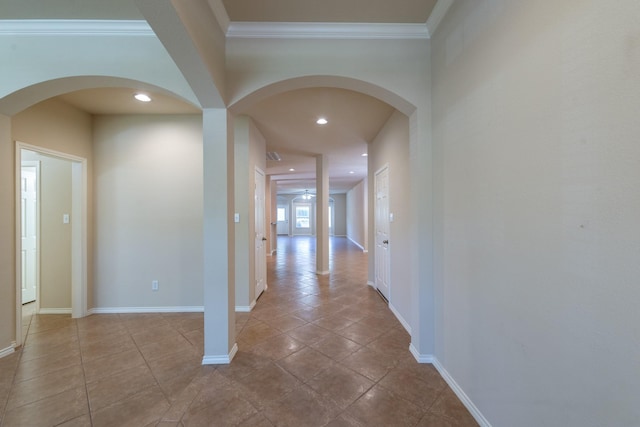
{"x": 154, "y": 285}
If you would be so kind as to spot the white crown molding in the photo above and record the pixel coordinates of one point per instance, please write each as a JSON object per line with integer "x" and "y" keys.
{"x": 325, "y": 30}
{"x": 220, "y": 13}
{"x": 437, "y": 14}
{"x": 74, "y": 27}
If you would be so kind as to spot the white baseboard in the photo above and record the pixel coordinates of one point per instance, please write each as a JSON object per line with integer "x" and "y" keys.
{"x": 9, "y": 350}
{"x": 322, "y": 273}
{"x": 466, "y": 401}
{"x": 123, "y": 310}
{"x": 54, "y": 311}
{"x": 421, "y": 358}
{"x": 403, "y": 322}
{"x": 220, "y": 360}
{"x": 357, "y": 244}
{"x": 245, "y": 308}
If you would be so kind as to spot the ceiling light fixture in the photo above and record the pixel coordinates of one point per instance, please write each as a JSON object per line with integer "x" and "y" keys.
{"x": 351, "y": 172}
{"x": 322, "y": 121}
{"x": 142, "y": 97}
{"x": 306, "y": 195}
{"x": 292, "y": 170}
{"x": 364, "y": 154}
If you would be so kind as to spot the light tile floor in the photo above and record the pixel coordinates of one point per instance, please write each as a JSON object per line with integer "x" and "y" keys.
{"x": 315, "y": 351}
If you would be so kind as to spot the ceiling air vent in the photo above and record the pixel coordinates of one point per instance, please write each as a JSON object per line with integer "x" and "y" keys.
{"x": 272, "y": 155}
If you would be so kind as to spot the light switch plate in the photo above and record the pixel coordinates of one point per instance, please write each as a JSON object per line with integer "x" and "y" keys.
{"x": 236, "y": 217}
{"x": 65, "y": 219}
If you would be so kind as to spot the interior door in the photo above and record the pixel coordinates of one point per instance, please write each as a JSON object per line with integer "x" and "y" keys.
{"x": 283, "y": 219}
{"x": 382, "y": 255}
{"x": 260, "y": 239}
{"x": 29, "y": 229}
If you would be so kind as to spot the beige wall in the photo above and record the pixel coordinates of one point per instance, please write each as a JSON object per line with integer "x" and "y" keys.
{"x": 7, "y": 236}
{"x": 535, "y": 114}
{"x": 148, "y": 211}
{"x": 339, "y": 214}
{"x": 55, "y": 236}
{"x": 57, "y": 126}
{"x": 391, "y": 148}
{"x": 357, "y": 215}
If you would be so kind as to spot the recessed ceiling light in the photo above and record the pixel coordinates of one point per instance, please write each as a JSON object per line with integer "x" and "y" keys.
{"x": 351, "y": 172}
{"x": 142, "y": 97}
{"x": 322, "y": 121}
{"x": 364, "y": 154}
{"x": 292, "y": 170}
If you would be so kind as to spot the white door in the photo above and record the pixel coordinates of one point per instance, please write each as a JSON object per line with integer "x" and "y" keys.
{"x": 29, "y": 229}
{"x": 382, "y": 255}
{"x": 283, "y": 219}
{"x": 261, "y": 239}
{"x": 331, "y": 218}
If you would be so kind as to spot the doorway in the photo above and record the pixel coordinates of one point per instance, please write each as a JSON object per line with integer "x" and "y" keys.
{"x": 381, "y": 217}
{"x": 260, "y": 240}
{"x": 282, "y": 215}
{"x": 73, "y": 218}
{"x": 30, "y": 224}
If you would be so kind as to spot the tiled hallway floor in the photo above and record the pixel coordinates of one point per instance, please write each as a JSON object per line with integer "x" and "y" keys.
{"x": 315, "y": 351}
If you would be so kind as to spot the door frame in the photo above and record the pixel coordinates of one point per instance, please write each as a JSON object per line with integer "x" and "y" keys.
{"x": 37, "y": 165}
{"x": 384, "y": 168}
{"x": 258, "y": 257}
{"x": 78, "y": 231}
{"x": 286, "y": 206}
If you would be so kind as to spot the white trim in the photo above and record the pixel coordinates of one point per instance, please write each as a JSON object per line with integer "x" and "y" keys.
{"x": 9, "y": 350}
{"x": 245, "y": 308}
{"x": 437, "y": 14}
{"x": 79, "y": 232}
{"x": 466, "y": 401}
{"x": 123, "y": 310}
{"x": 54, "y": 311}
{"x": 326, "y": 30}
{"x": 322, "y": 273}
{"x": 220, "y": 360}
{"x": 357, "y": 244}
{"x": 74, "y": 27}
{"x": 421, "y": 358}
{"x": 370, "y": 283}
{"x": 403, "y": 322}
{"x": 220, "y": 13}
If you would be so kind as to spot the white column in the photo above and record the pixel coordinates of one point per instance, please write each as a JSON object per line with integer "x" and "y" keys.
{"x": 422, "y": 206}
{"x": 218, "y": 236}
{"x": 322, "y": 215}
{"x": 10, "y": 318}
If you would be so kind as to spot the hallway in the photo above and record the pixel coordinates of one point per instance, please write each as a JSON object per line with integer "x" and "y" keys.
{"x": 315, "y": 351}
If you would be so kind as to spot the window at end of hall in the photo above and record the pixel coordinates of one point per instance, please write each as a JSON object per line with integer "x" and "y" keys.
{"x": 302, "y": 216}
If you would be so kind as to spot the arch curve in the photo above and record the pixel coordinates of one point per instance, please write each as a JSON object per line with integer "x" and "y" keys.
{"x": 339, "y": 82}
{"x": 26, "y": 97}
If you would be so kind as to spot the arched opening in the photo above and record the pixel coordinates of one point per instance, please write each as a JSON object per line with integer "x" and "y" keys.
{"x": 63, "y": 119}
{"x": 394, "y": 129}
